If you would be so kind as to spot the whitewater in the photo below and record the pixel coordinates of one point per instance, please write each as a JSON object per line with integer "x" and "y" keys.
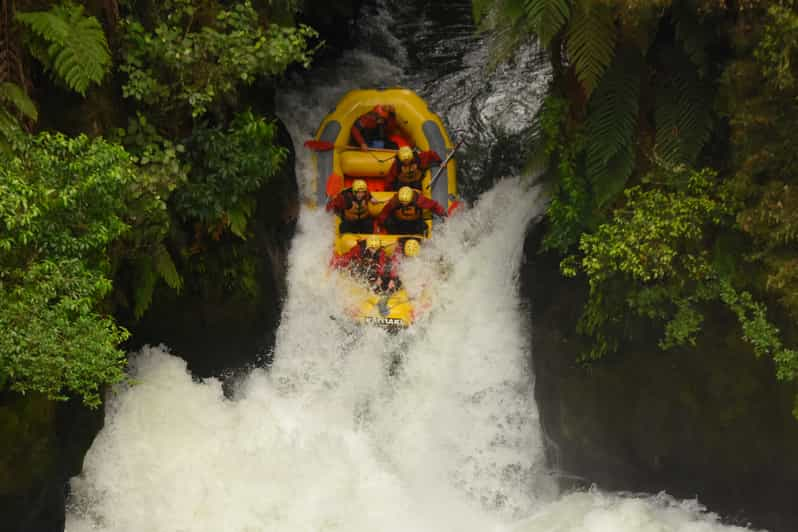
{"x": 328, "y": 438}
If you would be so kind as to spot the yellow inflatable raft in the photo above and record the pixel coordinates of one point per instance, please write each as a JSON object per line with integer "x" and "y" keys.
{"x": 339, "y": 161}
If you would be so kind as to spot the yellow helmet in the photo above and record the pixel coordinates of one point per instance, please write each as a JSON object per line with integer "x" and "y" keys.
{"x": 358, "y": 185}
{"x": 405, "y": 195}
{"x": 412, "y": 247}
{"x": 405, "y": 154}
{"x": 373, "y": 242}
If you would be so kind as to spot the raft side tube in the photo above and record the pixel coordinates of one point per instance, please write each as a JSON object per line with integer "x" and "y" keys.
{"x": 325, "y": 159}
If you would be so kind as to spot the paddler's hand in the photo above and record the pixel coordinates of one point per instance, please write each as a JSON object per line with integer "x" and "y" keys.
{"x": 364, "y": 147}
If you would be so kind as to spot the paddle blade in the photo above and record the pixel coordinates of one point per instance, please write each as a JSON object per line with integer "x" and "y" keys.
{"x": 319, "y": 145}
{"x": 335, "y": 183}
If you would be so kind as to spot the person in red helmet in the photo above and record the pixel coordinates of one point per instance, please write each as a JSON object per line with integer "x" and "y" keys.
{"x": 352, "y": 205}
{"x": 408, "y": 168}
{"x": 373, "y": 129}
{"x": 366, "y": 260}
{"x": 402, "y": 214}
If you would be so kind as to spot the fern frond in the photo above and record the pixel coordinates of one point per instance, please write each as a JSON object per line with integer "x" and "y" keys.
{"x": 146, "y": 279}
{"x": 165, "y": 267}
{"x": 682, "y": 114}
{"x": 14, "y": 94}
{"x": 694, "y": 37}
{"x": 9, "y": 127}
{"x": 77, "y": 48}
{"x": 590, "y": 44}
{"x": 547, "y": 17}
{"x": 611, "y": 124}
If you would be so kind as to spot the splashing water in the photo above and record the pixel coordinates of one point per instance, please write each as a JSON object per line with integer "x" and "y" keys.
{"x": 329, "y": 438}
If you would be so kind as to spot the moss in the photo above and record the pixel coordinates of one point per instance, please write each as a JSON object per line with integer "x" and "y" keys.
{"x": 27, "y": 441}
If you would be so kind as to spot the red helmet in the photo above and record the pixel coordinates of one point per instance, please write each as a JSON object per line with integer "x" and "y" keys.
{"x": 385, "y": 111}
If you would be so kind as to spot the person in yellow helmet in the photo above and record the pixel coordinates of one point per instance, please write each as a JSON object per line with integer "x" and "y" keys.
{"x": 402, "y": 214}
{"x": 352, "y": 205}
{"x": 408, "y": 168}
{"x": 389, "y": 274}
{"x": 366, "y": 260}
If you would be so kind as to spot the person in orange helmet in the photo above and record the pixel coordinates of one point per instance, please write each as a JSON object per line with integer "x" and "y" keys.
{"x": 373, "y": 129}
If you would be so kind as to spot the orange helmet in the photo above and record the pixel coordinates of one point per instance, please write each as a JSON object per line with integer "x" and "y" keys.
{"x": 385, "y": 111}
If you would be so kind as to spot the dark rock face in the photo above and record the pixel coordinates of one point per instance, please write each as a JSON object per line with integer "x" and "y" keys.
{"x": 709, "y": 422}
{"x": 43, "y": 445}
{"x": 335, "y": 22}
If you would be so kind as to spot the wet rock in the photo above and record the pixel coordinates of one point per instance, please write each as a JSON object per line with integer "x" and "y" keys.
{"x": 43, "y": 445}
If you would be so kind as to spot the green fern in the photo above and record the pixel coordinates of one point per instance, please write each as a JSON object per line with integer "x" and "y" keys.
{"x": 11, "y": 93}
{"x": 146, "y": 279}
{"x": 165, "y": 266}
{"x": 683, "y": 112}
{"x": 547, "y": 17}
{"x": 77, "y": 51}
{"x": 611, "y": 124}
{"x": 591, "y": 43}
{"x": 149, "y": 270}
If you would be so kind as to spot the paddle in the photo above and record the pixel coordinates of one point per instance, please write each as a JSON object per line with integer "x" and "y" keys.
{"x": 325, "y": 145}
{"x": 319, "y": 145}
{"x": 444, "y": 163}
{"x": 335, "y": 183}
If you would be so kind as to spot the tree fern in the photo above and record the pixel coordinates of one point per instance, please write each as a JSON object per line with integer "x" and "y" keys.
{"x": 150, "y": 269}
{"x": 682, "y": 113}
{"x": 13, "y": 95}
{"x": 146, "y": 279}
{"x": 165, "y": 266}
{"x": 547, "y": 17}
{"x": 611, "y": 125}
{"x": 77, "y": 51}
{"x": 591, "y": 43}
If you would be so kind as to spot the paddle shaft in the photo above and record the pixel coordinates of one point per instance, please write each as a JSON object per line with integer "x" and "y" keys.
{"x": 444, "y": 163}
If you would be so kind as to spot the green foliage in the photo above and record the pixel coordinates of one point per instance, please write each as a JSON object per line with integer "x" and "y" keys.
{"x": 652, "y": 257}
{"x": 547, "y": 17}
{"x": 182, "y": 65}
{"x": 569, "y": 210}
{"x": 591, "y": 43}
{"x": 611, "y": 127}
{"x": 62, "y": 197}
{"x": 14, "y": 96}
{"x": 231, "y": 164}
{"x": 70, "y": 44}
{"x": 683, "y": 111}
{"x": 63, "y": 202}
{"x": 778, "y": 50}
{"x": 54, "y": 341}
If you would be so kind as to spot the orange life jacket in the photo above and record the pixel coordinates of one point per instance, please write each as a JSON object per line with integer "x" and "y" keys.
{"x": 409, "y": 172}
{"x": 356, "y": 210}
{"x": 408, "y": 213}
